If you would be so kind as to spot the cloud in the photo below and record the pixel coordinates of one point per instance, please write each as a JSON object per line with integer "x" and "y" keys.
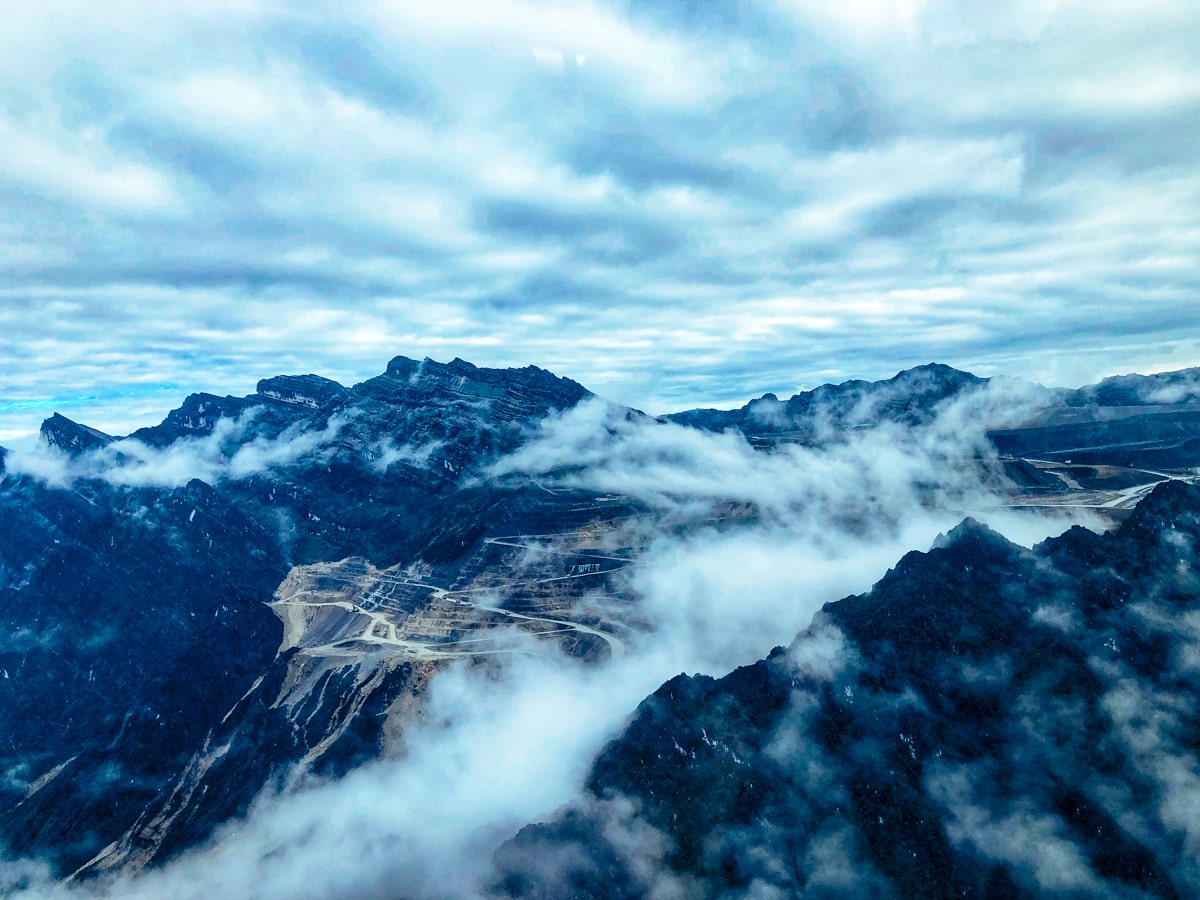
{"x": 507, "y": 744}
{"x": 766, "y": 197}
{"x": 1176, "y": 390}
{"x": 1022, "y": 836}
{"x": 877, "y": 468}
{"x": 1146, "y": 725}
{"x": 388, "y": 452}
{"x": 228, "y": 452}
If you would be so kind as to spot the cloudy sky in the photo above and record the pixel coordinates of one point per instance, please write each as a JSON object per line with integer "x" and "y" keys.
{"x": 676, "y": 203}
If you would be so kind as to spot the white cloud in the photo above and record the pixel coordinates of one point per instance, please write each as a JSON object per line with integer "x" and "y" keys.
{"x": 499, "y": 748}
{"x": 223, "y": 453}
{"x": 784, "y": 193}
{"x": 79, "y": 167}
{"x": 1029, "y": 840}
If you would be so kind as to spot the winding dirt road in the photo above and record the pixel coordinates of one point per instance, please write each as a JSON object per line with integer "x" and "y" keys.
{"x": 381, "y": 631}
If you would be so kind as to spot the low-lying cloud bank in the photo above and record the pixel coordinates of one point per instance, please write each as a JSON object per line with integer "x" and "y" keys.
{"x": 227, "y": 452}
{"x": 873, "y": 471}
{"x": 990, "y": 721}
{"x": 499, "y": 748}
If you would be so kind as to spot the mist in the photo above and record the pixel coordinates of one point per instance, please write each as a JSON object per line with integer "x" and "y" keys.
{"x": 506, "y": 744}
{"x": 227, "y": 452}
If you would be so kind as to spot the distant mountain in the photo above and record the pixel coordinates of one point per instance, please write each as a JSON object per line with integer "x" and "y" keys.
{"x": 988, "y": 721}
{"x": 908, "y": 398}
{"x": 1164, "y": 388}
{"x": 1126, "y": 420}
{"x": 72, "y": 438}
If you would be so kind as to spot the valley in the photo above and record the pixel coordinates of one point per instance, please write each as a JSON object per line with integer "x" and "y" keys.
{"x": 181, "y": 645}
{"x": 1111, "y": 491}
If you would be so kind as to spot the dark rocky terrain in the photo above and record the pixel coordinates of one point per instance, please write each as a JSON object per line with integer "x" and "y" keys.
{"x": 265, "y": 585}
{"x": 142, "y": 687}
{"x": 909, "y": 398}
{"x": 1129, "y": 420}
{"x": 988, "y": 721}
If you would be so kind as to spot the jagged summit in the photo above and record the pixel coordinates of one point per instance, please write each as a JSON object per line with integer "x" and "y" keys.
{"x": 310, "y": 391}
{"x": 908, "y": 397}
{"x": 407, "y": 388}
{"x": 968, "y": 529}
{"x": 71, "y": 437}
{"x": 508, "y": 393}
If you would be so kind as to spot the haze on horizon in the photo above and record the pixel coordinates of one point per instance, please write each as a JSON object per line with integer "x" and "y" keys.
{"x": 675, "y": 204}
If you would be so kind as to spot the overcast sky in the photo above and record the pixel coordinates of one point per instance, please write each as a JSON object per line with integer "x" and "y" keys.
{"x": 676, "y": 203}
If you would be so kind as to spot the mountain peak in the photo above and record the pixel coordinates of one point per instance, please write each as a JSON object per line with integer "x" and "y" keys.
{"x": 301, "y": 390}
{"x": 71, "y": 437}
{"x": 909, "y": 397}
{"x": 936, "y": 373}
{"x": 968, "y": 529}
{"x": 514, "y": 393}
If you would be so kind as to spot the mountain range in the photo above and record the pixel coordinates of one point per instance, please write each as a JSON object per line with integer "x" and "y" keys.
{"x": 261, "y": 590}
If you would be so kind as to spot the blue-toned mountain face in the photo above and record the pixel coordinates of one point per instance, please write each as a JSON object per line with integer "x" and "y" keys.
{"x": 266, "y": 585}
{"x": 144, "y": 679}
{"x": 988, "y": 721}
{"x": 1128, "y": 420}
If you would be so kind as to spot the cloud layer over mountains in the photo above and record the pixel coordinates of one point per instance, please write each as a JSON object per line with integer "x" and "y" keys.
{"x": 498, "y": 749}
{"x": 675, "y": 203}
{"x": 227, "y": 452}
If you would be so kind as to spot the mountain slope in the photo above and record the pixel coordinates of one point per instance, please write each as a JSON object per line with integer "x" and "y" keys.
{"x": 261, "y": 588}
{"x": 1127, "y": 420}
{"x": 988, "y": 721}
{"x": 908, "y": 398}
{"x": 145, "y": 682}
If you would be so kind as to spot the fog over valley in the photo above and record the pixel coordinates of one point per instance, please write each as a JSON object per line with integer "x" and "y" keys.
{"x": 480, "y": 575}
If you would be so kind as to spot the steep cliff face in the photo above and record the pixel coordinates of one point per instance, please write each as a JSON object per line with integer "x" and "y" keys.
{"x": 114, "y": 602}
{"x": 147, "y": 685}
{"x": 72, "y": 438}
{"x": 309, "y": 391}
{"x": 987, "y": 721}
{"x": 503, "y": 395}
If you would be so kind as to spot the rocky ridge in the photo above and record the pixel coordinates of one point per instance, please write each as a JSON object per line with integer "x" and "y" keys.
{"x": 988, "y": 721}
{"x": 337, "y": 554}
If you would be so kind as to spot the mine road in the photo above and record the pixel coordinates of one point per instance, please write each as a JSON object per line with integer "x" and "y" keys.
{"x": 373, "y": 622}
